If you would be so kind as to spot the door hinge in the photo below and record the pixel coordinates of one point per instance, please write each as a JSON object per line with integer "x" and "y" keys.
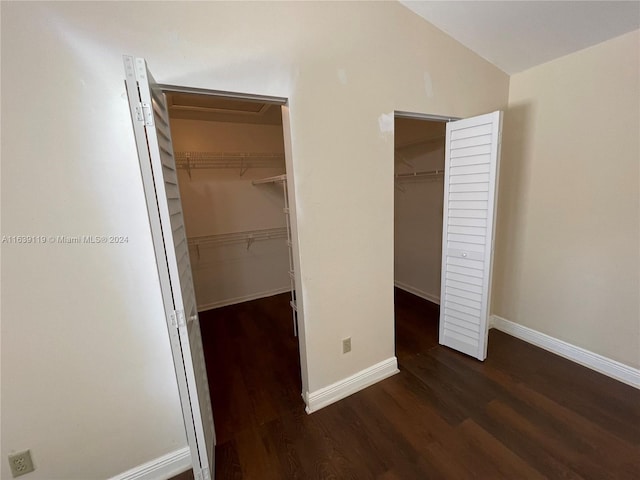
{"x": 201, "y": 474}
{"x": 178, "y": 319}
{"x": 144, "y": 114}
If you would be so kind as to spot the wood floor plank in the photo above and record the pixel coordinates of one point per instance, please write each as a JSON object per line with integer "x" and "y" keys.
{"x": 280, "y": 444}
{"x": 543, "y": 447}
{"x": 353, "y": 442}
{"x": 227, "y": 462}
{"x": 611, "y": 404}
{"x": 496, "y": 456}
{"x": 255, "y": 460}
{"x": 451, "y": 389}
{"x": 578, "y": 441}
{"x": 387, "y": 442}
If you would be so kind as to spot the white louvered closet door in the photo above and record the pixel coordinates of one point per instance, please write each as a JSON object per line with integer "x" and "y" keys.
{"x": 472, "y": 154}
{"x": 157, "y": 164}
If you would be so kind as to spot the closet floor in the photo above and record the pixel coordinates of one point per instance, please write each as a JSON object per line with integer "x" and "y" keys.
{"x": 253, "y": 365}
{"x": 523, "y": 413}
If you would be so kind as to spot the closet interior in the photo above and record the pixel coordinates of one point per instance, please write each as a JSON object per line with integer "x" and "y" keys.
{"x": 232, "y": 177}
{"x": 419, "y": 147}
{"x": 233, "y": 186}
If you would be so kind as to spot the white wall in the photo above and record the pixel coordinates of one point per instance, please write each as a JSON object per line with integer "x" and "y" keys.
{"x": 418, "y": 206}
{"x": 87, "y": 376}
{"x": 567, "y": 258}
{"x": 221, "y": 201}
{"x": 87, "y": 380}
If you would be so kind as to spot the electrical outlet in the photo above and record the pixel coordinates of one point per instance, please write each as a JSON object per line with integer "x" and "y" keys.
{"x": 21, "y": 463}
{"x": 346, "y": 345}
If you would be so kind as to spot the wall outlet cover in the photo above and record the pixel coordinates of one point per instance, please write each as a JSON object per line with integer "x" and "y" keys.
{"x": 21, "y": 463}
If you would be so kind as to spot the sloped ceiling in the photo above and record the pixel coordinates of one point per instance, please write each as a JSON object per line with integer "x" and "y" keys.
{"x": 517, "y": 35}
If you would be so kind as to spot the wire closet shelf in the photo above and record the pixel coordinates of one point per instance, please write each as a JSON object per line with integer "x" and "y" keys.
{"x": 417, "y": 175}
{"x": 248, "y": 237}
{"x": 241, "y": 161}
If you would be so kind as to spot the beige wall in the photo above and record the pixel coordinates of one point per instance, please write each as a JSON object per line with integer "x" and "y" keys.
{"x": 567, "y": 248}
{"x": 87, "y": 380}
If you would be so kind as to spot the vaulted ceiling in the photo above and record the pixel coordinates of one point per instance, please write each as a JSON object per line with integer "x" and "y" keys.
{"x": 517, "y": 35}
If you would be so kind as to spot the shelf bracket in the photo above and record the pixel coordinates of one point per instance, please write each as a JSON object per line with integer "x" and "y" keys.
{"x": 404, "y": 160}
{"x": 243, "y": 167}
{"x": 189, "y": 165}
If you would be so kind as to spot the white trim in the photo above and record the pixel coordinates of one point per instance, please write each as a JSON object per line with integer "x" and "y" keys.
{"x": 417, "y": 292}
{"x": 424, "y": 116}
{"x": 161, "y": 468}
{"x": 350, "y": 385}
{"x": 224, "y": 94}
{"x": 244, "y": 298}
{"x": 594, "y": 361}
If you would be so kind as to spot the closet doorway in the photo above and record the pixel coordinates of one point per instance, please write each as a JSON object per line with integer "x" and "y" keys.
{"x": 446, "y": 188}
{"x": 419, "y": 151}
{"x": 233, "y": 180}
{"x": 418, "y": 202}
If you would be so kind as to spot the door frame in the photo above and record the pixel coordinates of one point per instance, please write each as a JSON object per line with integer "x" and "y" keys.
{"x": 283, "y": 102}
{"x": 424, "y": 116}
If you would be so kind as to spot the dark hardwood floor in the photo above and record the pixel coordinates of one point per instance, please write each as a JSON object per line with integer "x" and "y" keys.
{"x": 523, "y": 413}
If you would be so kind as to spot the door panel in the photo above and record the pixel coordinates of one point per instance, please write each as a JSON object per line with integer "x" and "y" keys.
{"x": 153, "y": 139}
{"x": 472, "y": 155}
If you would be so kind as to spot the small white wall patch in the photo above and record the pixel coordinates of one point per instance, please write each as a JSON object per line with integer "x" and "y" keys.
{"x": 342, "y": 76}
{"x": 428, "y": 85}
{"x": 386, "y": 122}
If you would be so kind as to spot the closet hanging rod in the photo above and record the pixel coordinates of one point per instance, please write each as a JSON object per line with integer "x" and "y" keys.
{"x": 276, "y": 179}
{"x": 194, "y": 156}
{"x": 430, "y": 173}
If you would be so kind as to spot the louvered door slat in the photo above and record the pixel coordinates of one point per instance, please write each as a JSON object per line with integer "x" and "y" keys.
{"x": 473, "y": 131}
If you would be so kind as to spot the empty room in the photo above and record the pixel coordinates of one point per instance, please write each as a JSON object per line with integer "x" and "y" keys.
{"x": 273, "y": 240}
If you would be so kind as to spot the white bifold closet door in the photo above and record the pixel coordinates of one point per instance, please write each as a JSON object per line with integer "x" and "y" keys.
{"x": 472, "y": 154}
{"x": 157, "y": 164}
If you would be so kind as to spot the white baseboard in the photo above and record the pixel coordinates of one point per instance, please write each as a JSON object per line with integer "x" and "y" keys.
{"x": 417, "y": 292}
{"x": 594, "y": 361}
{"x": 245, "y": 298}
{"x": 343, "y": 388}
{"x": 161, "y": 468}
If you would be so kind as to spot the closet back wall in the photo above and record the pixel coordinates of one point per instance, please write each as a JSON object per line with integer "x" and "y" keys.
{"x": 220, "y": 201}
{"x": 418, "y": 208}
{"x": 418, "y": 229}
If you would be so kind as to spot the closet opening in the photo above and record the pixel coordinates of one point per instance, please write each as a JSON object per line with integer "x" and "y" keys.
{"x": 446, "y": 183}
{"x": 419, "y": 160}
{"x": 234, "y": 182}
